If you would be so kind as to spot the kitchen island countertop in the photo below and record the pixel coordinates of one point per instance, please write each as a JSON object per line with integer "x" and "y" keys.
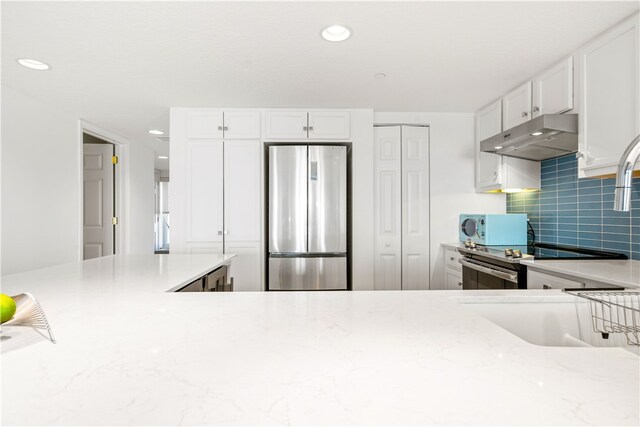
{"x": 130, "y": 353}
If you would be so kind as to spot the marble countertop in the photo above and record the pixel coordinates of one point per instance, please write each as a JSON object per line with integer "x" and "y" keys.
{"x": 624, "y": 273}
{"x": 128, "y": 353}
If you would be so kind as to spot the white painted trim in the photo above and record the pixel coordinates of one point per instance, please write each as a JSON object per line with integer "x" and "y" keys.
{"x": 122, "y": 184}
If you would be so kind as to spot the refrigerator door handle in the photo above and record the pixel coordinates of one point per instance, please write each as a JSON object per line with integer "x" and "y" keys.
{"x": 313, "y": 172}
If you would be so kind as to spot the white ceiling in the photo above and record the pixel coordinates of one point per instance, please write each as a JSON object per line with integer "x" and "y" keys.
{"x": 121, "y": 65}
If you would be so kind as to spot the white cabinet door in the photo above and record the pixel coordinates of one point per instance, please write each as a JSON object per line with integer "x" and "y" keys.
{"x": 204, "y": 190}
{"x": 538, "y": 280}
{"x": 242, "y": 195}
{"x": 553, "y": 89}
{"x": 286, "y": 125}
{"x": 516, "y": 106}
{"x": 520, "y": 173}
{"x": 387, "y": 215}
{"x": 242, "y": 125}
{"x": 246, "y": 268}
{"x": 415, "y": 208}
{"x": 204, "y": 124}
{"x": 488, "y": 165}
{"x": 453, "y": 279}
{"x": 610, "y": 109}
{"x": 327, "y": 125}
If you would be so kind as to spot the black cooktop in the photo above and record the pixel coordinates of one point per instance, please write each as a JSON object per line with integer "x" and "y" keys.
{"x": 552, "y": 251}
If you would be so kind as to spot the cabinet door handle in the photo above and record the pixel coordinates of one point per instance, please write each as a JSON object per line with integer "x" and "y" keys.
{"x": 536, "y": 109}
{"x": 525, "y": 114}
{"x": 226, "y": 232}
{"x": 451, "y": 258}
{"x": 388, "y": 245}
{"x": 219, "y": 127}
{"x": 507, "y": 136}
{"x": 305, "y": 128}
{"x": 219, "y": 233}
{"x": 225, "y": 128}
{"x": 310, "y": 128}
{"x": 459, "y": 283}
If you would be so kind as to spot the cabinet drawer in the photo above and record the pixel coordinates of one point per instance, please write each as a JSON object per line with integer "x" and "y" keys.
{"x": 451, "y": 258}
{"x": 537, "y": 280}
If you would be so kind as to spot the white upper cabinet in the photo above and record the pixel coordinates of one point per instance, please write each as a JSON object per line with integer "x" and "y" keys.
{"x": 204, "y": 124}
{"x": 553, "y": 89}
{"x": 610, "y": 109}
{"x": 496, "y": 172}
{"x": 286, "y": 125}
{"x": 241, "y": 125}
{"x": 303, "y": 125}
{"x": 325, "y": 125}
{"x": 215, "y": 124}
{"x": 488, "y": 166}
{"x": 516, "y": 106}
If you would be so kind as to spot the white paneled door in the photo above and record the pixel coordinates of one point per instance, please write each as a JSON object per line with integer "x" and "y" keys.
{"x": 98, "y": 196}
{"x": 415, "y": 207}
{"x": 388, "y": 199}
{"x": 204, "y": 190}
{"x": 401, "y": 207}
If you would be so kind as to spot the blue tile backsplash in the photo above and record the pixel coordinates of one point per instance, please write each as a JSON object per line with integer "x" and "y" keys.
{"x": 579, "y": 212}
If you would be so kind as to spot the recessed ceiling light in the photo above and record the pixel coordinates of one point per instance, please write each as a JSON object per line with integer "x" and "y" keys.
{"x": 380, "y": 76}
{"x": 498, "y": 147}
{"x": 33, "y": 64}
{"x": 155, "y": 132}
{"x": 163, "y": 157}
{"x": 336, "y": 33}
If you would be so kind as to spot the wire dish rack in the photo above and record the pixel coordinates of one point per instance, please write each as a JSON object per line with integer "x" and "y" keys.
{"x": 614, "y": 312}
{"x": 29, "y": 313}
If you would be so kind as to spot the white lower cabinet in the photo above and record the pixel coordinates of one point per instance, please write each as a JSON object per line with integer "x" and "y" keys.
{"x": 538, "y": 280}
{"x": 246, "y": 268}
{"x": 401, "y": 188}
{"x": 453, "y": 279}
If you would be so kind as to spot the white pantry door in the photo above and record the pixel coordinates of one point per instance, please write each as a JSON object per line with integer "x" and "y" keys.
{"x": 415, "y": 207}
{"x": 388, "y": 228}
{"x": 98, "y": 196}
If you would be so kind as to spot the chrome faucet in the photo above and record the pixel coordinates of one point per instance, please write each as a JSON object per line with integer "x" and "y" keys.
{"x": 624, "y": 176}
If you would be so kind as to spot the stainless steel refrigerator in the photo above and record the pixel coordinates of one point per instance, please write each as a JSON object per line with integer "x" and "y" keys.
{"x": 308, "y": 217}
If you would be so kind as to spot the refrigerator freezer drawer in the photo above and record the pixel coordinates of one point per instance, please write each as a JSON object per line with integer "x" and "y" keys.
{"x": 305, "y": 274}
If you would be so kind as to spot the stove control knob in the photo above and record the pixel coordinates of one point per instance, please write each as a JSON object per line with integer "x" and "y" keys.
{"x": 517, "y": 253}
{"x": 508, "y": 252}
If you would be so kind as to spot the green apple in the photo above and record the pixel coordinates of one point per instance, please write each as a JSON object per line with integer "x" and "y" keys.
{"x": 7, "y": 308}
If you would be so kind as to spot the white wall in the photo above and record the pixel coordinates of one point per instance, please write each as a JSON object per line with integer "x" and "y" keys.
{"x": 141, "y": 213}
{"x": 40, "y": 185}
{"x": 452, "y": 165}
{"x": 362, "y": 199}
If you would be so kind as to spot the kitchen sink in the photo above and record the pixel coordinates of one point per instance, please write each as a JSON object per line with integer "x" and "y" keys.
{"x": 555, "y": 321}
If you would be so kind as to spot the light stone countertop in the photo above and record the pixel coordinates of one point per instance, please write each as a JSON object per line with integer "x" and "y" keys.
{"x": 129, "y": 353}
{"x": 624, "y": 273}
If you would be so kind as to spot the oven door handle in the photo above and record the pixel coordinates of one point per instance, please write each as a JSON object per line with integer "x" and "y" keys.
{"x": 511, "y": 277}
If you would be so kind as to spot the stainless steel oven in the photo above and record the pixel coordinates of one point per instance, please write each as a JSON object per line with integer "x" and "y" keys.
{"x": 490, "y": 274}
{"x": 496, "y": 267}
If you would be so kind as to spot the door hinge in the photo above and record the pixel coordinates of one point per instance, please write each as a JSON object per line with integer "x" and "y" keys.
{"x": 114, "y": 160}
{"x": 114, "y": 220}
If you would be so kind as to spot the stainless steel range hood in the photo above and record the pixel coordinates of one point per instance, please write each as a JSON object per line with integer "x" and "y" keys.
{"x": 546, "y": 136}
